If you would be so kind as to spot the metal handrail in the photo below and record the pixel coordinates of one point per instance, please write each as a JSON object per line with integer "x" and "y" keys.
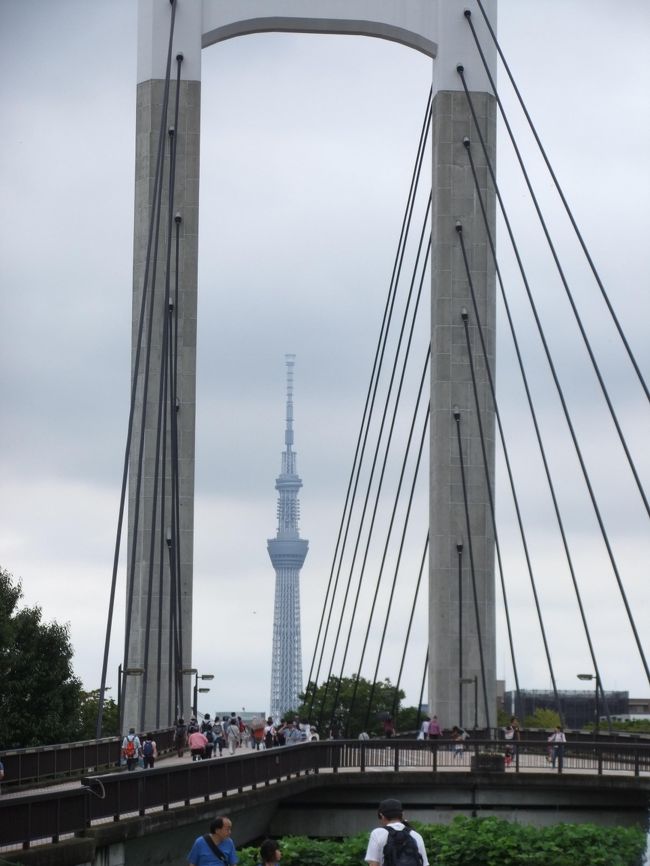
{"x": 47, "y": 816}
{"x": 41, "y": 764}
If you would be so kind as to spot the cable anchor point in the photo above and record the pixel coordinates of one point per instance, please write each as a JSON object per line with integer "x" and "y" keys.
{"x": 460, "y": 69}
{"x": 459, "y": 226}
{"x": 464, "y": 314}
{"x": 467, "y": 13}
{"x": 456, "y": 412}
{"x": 178, "y": 218}
{"x": 466, "y": 142}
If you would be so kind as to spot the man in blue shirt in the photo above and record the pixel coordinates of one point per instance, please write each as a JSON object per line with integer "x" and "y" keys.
{"x": 216, "y": 847}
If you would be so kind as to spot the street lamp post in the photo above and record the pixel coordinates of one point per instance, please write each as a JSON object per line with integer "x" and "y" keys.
{"x": 597, "y": 704}
{"x": 195, "y": 692}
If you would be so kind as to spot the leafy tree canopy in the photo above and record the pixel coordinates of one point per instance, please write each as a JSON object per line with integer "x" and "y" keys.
{"x": 88, "y": 710}
{"x": 542, "y": 718}
{"x": 40, "y": 696}
{"x": 348, "y": 705}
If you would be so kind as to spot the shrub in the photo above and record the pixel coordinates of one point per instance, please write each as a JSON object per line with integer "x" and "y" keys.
{"x": 481, "y": 842}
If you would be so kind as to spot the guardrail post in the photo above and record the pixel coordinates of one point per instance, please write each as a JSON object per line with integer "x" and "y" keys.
{"x": 396, "y": 759}
{"x": 362, "y": 758}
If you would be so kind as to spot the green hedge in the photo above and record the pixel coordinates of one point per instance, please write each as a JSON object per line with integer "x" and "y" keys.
{"x": 482, "y": 842}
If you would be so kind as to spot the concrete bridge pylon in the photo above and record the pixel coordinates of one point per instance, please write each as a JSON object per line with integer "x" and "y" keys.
{"x": 438, "y": 29}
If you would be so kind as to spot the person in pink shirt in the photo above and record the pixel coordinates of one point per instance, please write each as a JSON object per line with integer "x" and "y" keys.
{"x": 197, "y": 743}
{"x": 435, "y": 730}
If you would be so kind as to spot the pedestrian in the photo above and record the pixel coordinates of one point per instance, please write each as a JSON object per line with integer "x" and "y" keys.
{"x": 557, "y": 740}
{"x": 219, "y": 728}
{"x": 149, "y": 751}
{"x": 394, "y": 841}
{"x": 211, "y": 740}
{"x": 214, "y": 848}
{"x": 131, "y": 749}
{"x": 423, "y": 733}
{"x": 516, "y": 727}
{"x": 180, "y": 737}
{"x": 270, "y": 853}
{"x": 509, "y": 736}
{"x": 197, "y": 743}
{"x": 233, "y": 735}
{"x": 389, "y": 727}
{"x": 459, "y": 735}
{"x": 269, "y": 733}
{"x": 2, "y": 774}
{"x": 434, "y": 730}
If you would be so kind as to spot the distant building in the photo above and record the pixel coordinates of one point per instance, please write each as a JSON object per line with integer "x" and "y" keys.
{"x": 578, "y": 707}
{"x": 287, "y": 551}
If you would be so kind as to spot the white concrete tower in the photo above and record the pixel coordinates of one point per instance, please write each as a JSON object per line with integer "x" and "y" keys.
{"x": 461, "y": 606}
{"x": 287, "y": 551}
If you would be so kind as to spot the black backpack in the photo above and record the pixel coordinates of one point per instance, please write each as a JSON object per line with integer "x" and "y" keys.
{"x": 401, "y": 849}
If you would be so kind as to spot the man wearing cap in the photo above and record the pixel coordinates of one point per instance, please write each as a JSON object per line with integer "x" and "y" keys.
{"x": 390, "y": 815}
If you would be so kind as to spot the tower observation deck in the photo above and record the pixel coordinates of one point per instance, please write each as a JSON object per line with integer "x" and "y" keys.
{"x": 287, "y": 551}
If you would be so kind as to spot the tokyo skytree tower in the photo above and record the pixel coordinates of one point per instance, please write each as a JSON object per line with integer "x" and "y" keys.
{"x": 287, "y": 551}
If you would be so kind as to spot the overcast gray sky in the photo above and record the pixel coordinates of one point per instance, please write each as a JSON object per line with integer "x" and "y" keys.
{"x": 306, "y": 154}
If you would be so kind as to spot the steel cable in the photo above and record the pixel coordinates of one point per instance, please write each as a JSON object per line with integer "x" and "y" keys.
{"x": 425, "y": 429}
{"x": 558, "y": 387}
{"x": 534, "y": 419}
{"x": 372, "y": 389}
{"x": 565, "y": 284}
{"x": 562, "y": 197}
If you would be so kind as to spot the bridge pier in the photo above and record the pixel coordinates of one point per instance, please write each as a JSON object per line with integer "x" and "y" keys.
{"x": 461, "y": 635}
{"x": 461, "y": 555}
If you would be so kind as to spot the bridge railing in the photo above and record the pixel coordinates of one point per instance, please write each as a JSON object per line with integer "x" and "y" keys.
{"x": 50, "y": 816}
{"x": 41, "y": 764}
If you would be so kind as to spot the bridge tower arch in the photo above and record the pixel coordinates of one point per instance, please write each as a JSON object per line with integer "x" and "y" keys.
{"x": 438, "y": 29}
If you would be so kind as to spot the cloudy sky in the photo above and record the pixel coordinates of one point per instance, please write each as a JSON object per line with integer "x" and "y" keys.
{"x": 307, "y": 148}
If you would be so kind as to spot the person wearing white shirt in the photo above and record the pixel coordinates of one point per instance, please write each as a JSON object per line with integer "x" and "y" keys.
{"x": 390, "y": 815}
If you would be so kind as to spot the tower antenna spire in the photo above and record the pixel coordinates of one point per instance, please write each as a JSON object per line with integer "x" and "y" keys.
{"x": 287, "y": 552}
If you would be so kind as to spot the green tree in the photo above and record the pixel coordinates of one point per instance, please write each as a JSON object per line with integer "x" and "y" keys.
{"x": 345, "y": 701}
{"x": 543, "y": 717}
{"x": 88, "y": 710}
{"x": 40, "y": 696}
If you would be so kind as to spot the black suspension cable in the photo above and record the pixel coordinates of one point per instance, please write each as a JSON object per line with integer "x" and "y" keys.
{"x": 424, "y": 679}
{"x": 175, "y": 552}
{"x": 408, "y": 636}
{"x": 372, "y": 388}
{"x": 416, "y": 472}
{"x": 456, "y": 413}
{"x": 134, "y": 385}
{"x": 558, "y": 386}
{"x": 533, "y": 413}
{"x": 162, "y": 526}
{"x": 407, "y": 451}
{"x": 488, "y": 480}
{"x": 567, "y": 290}
{"x": 386, "y": 447}
{"x": 376, "y": 451}
{"x": 459, "y": 554}
{"x": 563, "y": 199}
{"x": 161, "y": 386}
